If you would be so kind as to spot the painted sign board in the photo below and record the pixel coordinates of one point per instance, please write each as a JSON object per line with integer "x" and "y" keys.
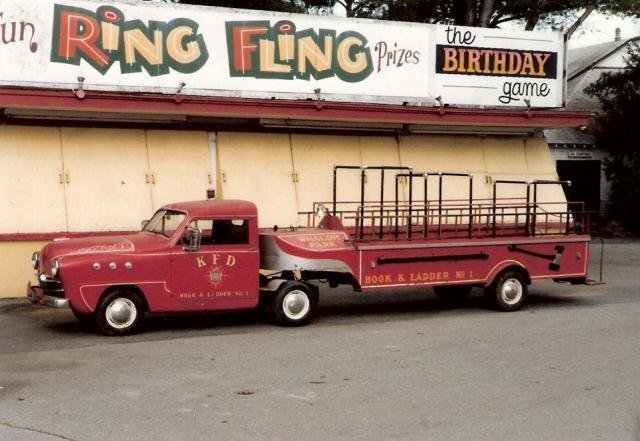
{"x": 155, "y": 47}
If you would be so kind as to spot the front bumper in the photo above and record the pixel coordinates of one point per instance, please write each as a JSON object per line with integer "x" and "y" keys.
{"x": 39, "y": 296}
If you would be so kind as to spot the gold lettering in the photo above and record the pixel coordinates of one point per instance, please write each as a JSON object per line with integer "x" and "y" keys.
{"x": 176, "y": 49}
{"x": 487, "y": 61}
{"x": 136, "y": 41}
{"x": 542, "y": 60}
{"x": 499, "y": 62}
{"x": 461, "y": 65}
{"x": 200, "y": 260}
{"x": 231, "y": 260}
{"x": 450, "y": 60}
{"x": 110, "y": 33}
{"x": 515, "y": 62}
{"x": 474, "y": 61}
{"x": 309, "y": 51}
{"x": 268, "y": 56}
{"x": 527, "y": 64}
{"x": 359, "y": 61}
{"x": 286, "y": 46}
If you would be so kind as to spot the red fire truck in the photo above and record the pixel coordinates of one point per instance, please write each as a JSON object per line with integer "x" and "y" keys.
{"x": 211, "y": 256}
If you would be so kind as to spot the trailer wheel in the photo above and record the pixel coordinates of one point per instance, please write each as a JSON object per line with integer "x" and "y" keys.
{"x": 508, "y": 292}
{"x": 294, "y": 304}
{"x": 120, "y": 313}
{"x": 453, "y": 294}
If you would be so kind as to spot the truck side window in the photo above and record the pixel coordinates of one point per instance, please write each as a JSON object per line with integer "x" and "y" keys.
{"x": 230, "y": 231}
{"x": 222, "y": 231}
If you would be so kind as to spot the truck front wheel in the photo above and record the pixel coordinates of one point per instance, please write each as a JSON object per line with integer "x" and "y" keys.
{"x": 294, "y": 304}
{"x": 508, "y": 292}
{"x": 120, "y": 313}
{"x": 84, "y": 318}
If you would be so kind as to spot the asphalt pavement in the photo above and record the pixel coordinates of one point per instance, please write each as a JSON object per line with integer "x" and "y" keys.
{"x": 378, "y": 366}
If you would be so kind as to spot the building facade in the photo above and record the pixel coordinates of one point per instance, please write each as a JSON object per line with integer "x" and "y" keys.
{"x": 110, "y": 112}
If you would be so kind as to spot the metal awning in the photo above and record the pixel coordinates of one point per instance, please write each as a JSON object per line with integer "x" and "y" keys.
{"x": 19, "y": 105}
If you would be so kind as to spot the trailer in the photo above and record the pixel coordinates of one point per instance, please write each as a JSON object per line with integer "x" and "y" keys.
{"x": 211, "y": 255}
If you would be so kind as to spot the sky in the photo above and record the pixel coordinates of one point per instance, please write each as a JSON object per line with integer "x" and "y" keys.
{"x": 600, "y": 28}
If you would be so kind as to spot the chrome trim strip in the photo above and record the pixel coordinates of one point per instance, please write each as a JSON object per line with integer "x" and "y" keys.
{"x": 447, "y": 244}
{"x": 55, "y": 302}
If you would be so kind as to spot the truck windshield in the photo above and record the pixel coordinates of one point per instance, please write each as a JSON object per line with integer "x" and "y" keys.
{"x": 164, "y": 222}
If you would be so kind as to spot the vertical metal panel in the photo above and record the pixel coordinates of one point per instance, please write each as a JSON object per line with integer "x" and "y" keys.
{"x": 314, "y": 157}
{"x": 32, "y": 180}
{"x": 107, "y": 189}
{"x": 257, "y": 167}
{"x": 179, "y": 165}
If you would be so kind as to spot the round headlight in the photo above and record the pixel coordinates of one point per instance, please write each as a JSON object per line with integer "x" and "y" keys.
{"x": 34, "y": 260}
{"x": 54, "y": 267}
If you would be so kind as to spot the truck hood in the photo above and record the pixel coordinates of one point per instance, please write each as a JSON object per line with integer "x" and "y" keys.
{"x": 130, "y": 243}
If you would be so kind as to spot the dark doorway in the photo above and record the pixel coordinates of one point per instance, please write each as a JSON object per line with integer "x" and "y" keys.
{"x": 585, "y": 181}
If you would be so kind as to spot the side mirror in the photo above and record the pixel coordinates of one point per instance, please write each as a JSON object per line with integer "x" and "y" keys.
{"x": 145, "y": 223}
{"x": 195, "y": 236}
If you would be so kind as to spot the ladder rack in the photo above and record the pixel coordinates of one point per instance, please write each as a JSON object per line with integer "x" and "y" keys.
{"x": 440, "y": 218}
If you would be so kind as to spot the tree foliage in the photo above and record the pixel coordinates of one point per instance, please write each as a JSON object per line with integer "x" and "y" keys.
{"x": 265, "y": 5}
{"x": 483, "y": 13}
{"x": 616, "y": 130}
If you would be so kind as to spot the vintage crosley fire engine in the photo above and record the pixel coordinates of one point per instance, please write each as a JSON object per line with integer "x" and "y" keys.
{"x": 211, "y": 256}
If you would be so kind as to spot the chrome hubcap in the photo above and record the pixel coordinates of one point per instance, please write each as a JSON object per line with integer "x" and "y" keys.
{"x": 121, "y": 313}
{"x": 296, "y": 304}
{"x": 511, "y": 291}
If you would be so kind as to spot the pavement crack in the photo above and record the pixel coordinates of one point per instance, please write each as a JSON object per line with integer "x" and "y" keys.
{"x": 31, "y": 429}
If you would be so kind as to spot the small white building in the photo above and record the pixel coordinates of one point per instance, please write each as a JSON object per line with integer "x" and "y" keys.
{"x": 577, "y": 156}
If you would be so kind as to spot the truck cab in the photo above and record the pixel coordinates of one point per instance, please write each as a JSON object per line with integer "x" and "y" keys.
{"x": 190, "y": 256}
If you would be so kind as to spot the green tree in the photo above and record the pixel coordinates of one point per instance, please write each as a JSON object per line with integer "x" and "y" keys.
{"x": 265, "y": 5}
{"x": 616, "y": 130}
{"x": 483, "y": 13}
{"x": 492, "y": 13}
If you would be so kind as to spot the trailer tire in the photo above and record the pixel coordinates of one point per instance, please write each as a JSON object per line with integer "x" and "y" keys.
{"x": 508, "y": 292}
{"x": 452, "y": 294}
{"x": 120, "y": 312}
{"x": 294, "y": 304}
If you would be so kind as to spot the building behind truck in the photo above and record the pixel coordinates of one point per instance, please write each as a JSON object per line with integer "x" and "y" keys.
{"x": 102, "y": 124}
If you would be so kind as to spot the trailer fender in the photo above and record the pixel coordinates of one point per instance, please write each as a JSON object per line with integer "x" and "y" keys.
{"x": 504, "y": 266}
{"x": 273, "y": 285}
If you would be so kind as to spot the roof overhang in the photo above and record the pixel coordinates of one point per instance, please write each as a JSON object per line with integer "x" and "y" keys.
{"x": 64, "y": 107}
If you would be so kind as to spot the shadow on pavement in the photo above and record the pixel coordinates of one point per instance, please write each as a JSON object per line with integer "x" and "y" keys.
{"x": 336, "y": 308}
